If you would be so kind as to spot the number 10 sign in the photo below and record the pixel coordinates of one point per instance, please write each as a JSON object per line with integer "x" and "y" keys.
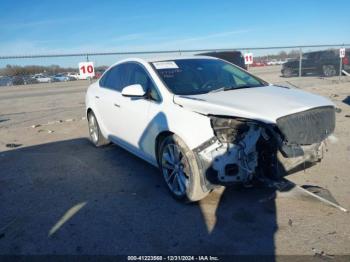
{"x": 86, "y": 70}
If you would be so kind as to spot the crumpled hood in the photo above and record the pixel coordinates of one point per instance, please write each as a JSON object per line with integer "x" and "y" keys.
{"x": 265, "y": 104}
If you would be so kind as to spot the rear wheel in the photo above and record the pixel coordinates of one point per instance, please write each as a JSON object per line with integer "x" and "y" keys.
{"x": 329, "y": 70}
{"x": 180, "y": 170}
{"x": 96, "y": 136}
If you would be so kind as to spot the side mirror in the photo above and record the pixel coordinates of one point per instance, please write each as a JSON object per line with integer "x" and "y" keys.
{"x": 133, "y": 91}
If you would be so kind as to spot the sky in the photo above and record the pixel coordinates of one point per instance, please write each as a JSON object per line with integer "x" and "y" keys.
{"x": 41, "y": 27}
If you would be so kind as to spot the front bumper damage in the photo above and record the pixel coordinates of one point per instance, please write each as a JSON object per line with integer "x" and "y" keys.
{"x": 229, "y": 163}
{"x": 264, "y": 150}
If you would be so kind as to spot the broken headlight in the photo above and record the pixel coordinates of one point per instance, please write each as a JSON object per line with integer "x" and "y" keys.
{"x": 229, "y": 130}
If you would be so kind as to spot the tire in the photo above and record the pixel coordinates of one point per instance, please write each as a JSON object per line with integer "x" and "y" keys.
{"x": 329, "y": 70}
{"x": 287, "y": 72}
{"x": 180, "y": 170}
{"x": 95, "y": 134}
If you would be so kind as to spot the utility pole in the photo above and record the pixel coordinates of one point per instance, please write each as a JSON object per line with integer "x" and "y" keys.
{"x": 300, "y": 60}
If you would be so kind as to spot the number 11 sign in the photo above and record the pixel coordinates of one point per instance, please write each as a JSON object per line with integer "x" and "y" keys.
{"x": 86, "y": 70}
{"x": 248, "y": 58}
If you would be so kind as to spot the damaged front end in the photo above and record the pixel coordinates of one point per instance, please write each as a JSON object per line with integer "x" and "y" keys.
{"x": 243, "y": 149}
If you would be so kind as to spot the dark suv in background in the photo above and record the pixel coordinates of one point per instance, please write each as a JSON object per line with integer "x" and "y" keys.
{"x": 234, "y": 57}
{"x": 325, "y": 63}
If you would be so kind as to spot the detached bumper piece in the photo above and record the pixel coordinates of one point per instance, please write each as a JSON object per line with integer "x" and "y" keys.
{"x": 308, "y": 127}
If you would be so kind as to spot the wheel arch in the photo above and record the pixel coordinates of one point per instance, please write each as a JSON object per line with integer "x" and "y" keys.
{"x": 160, "y": 137}
{"x": 88, "y": 111}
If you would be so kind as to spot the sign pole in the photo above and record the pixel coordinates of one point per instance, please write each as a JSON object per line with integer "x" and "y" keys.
{"x": 341, "y": 56}
{"x": 340, "y": 66}
{"x": 300, "y": 61}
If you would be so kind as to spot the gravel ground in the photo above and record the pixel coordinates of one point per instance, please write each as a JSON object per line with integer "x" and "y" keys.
{"x": 60, "y": 195}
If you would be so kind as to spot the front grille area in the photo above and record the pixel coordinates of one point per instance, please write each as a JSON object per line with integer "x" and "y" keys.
{"x": 308, "y": 127}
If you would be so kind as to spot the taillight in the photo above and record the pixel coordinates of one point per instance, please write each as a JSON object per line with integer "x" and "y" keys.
{"x": 345, "y": 60}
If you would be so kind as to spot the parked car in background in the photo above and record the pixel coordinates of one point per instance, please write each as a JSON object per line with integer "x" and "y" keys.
{"x": 77, "y": 76}
{"x": 206, "y": 122}
{"x": 60, "y": 78}
{"x": 258, "y": 64}
{"x": 275, "y": 62}
{"x": 5, "y": 81}
{"x": 325, "y": 63}
{"x": 98, "y": 74}
{"x": 16, "y": 80}
{"x": 73, "y": 75}
{"x": 234, "y": 57}
{"x": 41, "y": 78}
{"x": 28, "y": 80}
{"x": 71, "y": 78}
{"x": 346, "y": 62}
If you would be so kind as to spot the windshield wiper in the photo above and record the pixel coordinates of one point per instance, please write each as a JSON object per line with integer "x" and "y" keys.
{"x": 224, "y": 88}
{"x": 227, "y": 88}
{"x": 247, "y": 86}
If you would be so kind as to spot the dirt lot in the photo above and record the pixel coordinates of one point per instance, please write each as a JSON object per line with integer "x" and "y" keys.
{"x": 60, "y": 195}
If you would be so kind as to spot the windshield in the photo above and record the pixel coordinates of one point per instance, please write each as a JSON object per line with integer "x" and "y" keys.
{"x": 199, "y": 76}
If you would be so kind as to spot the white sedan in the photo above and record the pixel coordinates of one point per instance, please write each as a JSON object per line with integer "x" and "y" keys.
{"x": 206, "y": 122}
{"x": 42, "y": 78}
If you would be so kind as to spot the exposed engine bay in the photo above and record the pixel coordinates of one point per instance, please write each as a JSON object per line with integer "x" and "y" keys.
{"x": 243, "y": 148}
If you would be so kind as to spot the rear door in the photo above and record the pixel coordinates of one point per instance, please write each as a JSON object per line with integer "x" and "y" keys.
{"x": 310, "y": 64}
{"x": 108, "y": 100}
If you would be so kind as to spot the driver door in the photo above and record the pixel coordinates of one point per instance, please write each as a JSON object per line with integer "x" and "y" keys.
{"x": 137, "y": 113}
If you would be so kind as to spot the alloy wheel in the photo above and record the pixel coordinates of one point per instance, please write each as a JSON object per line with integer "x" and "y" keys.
{"x": 175, "y": 169}
{"x": 93, "y": 128}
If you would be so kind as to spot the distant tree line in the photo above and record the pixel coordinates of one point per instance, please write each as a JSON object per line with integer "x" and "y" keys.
{"x": 16, "y": 70}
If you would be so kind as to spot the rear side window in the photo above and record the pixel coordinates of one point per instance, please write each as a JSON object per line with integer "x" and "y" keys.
{"x": 115, "y": 78}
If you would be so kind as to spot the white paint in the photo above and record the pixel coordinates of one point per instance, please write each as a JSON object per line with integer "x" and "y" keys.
{"x": 134, "y": 123}
{"x": 266, "y": 103}
{"x": 133, "y": 91}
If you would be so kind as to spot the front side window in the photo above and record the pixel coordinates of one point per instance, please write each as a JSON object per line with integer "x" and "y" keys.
{"x": 126, "y": 74}
{"x": 138, "y": 75}
{"x": 311, "y": 56}
{"x": 199, "y": 76}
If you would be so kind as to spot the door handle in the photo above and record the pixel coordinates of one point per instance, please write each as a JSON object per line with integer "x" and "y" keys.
{"x": 116, "y": 105}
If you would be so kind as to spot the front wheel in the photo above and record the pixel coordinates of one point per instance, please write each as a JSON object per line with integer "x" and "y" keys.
{"x": 180, "y": 170}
